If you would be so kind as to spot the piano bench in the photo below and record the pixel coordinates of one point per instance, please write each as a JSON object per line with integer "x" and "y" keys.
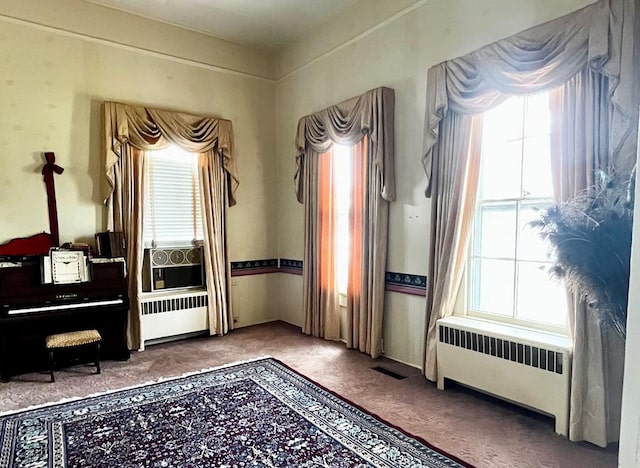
{"x": 73, "y": 340}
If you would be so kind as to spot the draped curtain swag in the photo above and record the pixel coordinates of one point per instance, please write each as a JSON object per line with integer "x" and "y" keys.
{"x": 347, "y": 123}
{"x": 600, "y": 36}
{"x": 590, "y": 53}
{"x": 129, "y": 132}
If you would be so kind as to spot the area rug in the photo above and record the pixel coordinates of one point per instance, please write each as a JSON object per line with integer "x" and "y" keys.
{"x": 258, "y": 413}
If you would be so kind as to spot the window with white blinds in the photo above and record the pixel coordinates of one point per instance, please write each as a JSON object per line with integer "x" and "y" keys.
{"x": 172, "y": 214}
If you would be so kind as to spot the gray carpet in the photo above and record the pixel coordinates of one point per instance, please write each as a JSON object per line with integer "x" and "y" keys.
{"x": 479, "y": 429}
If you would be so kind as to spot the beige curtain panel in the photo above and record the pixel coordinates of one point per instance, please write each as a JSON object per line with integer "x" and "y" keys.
{"x": 347, "y": 123}
{"x": 591, "y": 54}
{"x": 579, "y": 150}
{"x": 129, "y": 132}
{"x": 455, "y": 187}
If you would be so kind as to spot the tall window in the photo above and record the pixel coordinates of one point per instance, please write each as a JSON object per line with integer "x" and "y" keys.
{"x": 172, "y": 214}
{"x": 508, "y": 263}
{"x": 342, "y": 178}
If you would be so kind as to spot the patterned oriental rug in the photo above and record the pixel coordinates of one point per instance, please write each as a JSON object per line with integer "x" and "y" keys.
{"x": 258, "y": 413}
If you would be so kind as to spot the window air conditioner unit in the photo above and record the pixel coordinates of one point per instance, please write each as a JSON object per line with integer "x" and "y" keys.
{"x": 173, "y": 268}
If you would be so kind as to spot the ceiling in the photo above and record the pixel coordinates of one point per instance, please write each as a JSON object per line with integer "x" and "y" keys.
{"x": 269, "y": 24}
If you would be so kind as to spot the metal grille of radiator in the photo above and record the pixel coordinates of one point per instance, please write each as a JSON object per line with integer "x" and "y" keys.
{"x": 510, "y": 350}
{"x": 159, "y": 306}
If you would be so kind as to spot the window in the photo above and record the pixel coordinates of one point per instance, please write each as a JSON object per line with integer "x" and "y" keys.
{"x": 342, "y": 179}
{"x": 508, "y": 276}
{"x": 172, "y": 214}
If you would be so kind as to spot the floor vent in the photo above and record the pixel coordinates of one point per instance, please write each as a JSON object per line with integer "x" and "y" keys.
{"x": 389, "y": 372}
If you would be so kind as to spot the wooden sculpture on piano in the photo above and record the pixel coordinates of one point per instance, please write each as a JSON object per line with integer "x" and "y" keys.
{"x": 39, "y": 244}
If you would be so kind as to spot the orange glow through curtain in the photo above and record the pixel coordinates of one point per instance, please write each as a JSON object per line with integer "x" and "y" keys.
{"x": 326, "y": 321}
{"x": 357, "y": 324}
{"x": 327, "y": 223}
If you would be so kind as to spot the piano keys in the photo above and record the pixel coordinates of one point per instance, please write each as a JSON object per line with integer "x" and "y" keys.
{"x": 30, "y": 310}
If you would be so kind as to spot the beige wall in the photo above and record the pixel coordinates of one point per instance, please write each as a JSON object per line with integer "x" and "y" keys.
{"x": 317, "y": 73}
{"x": 629, "y": 453}
{"x": 51, "y": 88}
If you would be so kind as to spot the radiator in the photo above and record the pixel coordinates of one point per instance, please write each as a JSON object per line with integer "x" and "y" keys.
{"x": 530, "y": 368}
{"x": 173, "y": 313}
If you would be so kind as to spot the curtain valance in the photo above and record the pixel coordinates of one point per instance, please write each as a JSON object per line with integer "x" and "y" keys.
{"x": 600, "y": 37}
{"x": 346, "y": 123}
{"x": 149, "y": 129}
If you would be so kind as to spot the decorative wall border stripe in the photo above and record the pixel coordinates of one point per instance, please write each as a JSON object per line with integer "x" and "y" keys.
{"x": 291, "y": 266}
{"x": 254, "y": 267}
{"x": 405, "y": 283}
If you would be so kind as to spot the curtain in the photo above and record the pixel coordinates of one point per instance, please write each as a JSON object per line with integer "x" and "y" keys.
{"x": 322, "y": 318}
{"x": 127, "y": 215}
{"x": 455, "y": 187}
{"x": 130, "y": 128}
{"x": 580, "y": 141}
{"x": 215, "y": 197}
{"x": 599, "y": 39}
{"x": 347, "y": 123}
{"x": 368, "y": 226}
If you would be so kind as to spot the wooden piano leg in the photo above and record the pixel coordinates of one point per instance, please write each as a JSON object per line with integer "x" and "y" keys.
{"x": 97, "y": 357}
{"x": 4, "y": 371}
{"x": 52, "y": 365}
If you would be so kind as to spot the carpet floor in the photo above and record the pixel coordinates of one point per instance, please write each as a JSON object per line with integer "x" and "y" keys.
{"x": 478, "y": 429}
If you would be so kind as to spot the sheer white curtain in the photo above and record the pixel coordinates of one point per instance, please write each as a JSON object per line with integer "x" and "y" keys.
{"x": 599, "y": 40}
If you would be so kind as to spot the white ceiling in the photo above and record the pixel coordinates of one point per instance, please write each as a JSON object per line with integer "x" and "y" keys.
{"x": 260, "y": 23}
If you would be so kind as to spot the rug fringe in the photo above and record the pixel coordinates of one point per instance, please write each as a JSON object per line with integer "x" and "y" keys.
{"x": 130, "y": 387}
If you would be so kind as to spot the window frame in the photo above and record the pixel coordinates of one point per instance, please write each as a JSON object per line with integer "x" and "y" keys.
{"x": 148, "y": 241}
{"x": 465, "y": 298}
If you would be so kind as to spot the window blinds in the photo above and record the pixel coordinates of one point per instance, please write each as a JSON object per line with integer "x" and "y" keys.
{"x": 172, "y": 214}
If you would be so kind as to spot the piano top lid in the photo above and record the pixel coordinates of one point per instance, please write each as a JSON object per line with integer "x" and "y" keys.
{"x": 22, "y": 284}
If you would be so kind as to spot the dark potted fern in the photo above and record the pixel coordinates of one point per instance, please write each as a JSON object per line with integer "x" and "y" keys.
{"x": 590, "y": 238}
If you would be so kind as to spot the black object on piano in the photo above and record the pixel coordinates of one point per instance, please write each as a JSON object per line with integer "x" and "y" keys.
{"x": 30, "y": 310}
{"x": 111, "y": 244}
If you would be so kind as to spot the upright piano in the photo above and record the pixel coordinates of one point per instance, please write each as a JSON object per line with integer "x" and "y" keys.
{"x": 31, "y": 310}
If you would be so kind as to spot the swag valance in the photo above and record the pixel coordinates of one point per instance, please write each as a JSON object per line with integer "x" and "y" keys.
{"x": 599, "y": 37}
{"x": 346, "y": 124}
{"x": 150, "y": 129}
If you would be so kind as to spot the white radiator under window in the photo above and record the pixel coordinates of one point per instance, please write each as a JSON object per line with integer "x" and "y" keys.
{"x": 173, "y": 313}
{"x": 523, "y": 366}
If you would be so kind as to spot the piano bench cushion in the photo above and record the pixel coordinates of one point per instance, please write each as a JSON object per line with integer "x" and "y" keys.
{"x": 71, "y": 339}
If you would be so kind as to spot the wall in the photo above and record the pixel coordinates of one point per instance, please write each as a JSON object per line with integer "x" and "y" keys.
{"x": 397, "y": 54}
{"x": 629, "y": 453}
{"x": 52, "y": 84}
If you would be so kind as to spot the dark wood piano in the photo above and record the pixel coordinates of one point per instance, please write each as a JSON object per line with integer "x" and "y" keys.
{"x": 30, "y": 310}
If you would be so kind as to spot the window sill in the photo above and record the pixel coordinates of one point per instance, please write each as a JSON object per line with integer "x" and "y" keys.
{"x": 509, "y": 331}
